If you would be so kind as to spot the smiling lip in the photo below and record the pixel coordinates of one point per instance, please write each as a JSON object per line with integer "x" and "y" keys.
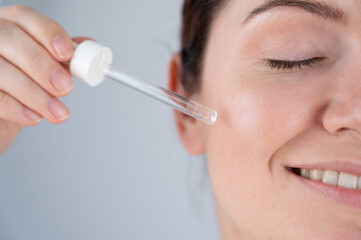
{"x": 340, "y": 195}
{"x": 347, "y": 167}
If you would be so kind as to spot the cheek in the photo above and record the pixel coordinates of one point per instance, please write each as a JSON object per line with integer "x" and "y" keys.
{"x": 253, "y": 124}
{"x": 240, "y": 145}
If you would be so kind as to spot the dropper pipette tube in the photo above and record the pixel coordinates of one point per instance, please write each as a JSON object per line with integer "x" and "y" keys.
{"x": 163, "y": 95}
{"x": 92, "y": 63}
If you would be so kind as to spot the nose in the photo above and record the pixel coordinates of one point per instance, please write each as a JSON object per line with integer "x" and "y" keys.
{"x": 343, "y": 114}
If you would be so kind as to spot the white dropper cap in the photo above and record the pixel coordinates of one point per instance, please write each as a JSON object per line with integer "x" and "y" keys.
{"x": 90, "y": 61}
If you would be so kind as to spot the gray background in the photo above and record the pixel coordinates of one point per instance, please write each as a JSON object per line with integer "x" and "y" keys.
{"x": 115, "y": 169}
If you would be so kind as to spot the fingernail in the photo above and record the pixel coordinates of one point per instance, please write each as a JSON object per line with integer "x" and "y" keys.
{"x": 31, "y": 115}
{"x": 58, "y": 109}
{"x": 62, "y": 47}
{"x": 61, "y": 81}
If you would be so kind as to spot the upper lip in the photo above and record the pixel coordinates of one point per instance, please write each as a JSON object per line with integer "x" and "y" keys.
{"x": 318, "y": 149}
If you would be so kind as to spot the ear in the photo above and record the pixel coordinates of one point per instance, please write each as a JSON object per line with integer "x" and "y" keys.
{"x": 189, "y": 129}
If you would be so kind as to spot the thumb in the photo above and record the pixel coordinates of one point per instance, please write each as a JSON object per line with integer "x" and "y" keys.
{"x": 76, "y": 40}
{"x": 81, "y": 39}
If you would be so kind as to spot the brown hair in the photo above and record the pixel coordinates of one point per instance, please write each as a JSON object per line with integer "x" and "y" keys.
{"x": 198, "y": 16}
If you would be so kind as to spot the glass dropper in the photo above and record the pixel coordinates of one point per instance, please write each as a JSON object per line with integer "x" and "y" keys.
{"x": 163, "y": 95}
{"x": 92, "y": 64}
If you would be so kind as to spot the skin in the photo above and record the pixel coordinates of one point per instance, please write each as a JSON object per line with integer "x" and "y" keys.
{"x": 270, "y": 119}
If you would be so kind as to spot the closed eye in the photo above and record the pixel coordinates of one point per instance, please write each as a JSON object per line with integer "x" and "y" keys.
{"x": 289, "y": 65}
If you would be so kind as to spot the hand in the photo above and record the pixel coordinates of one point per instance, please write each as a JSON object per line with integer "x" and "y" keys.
{"x": 32, "y": 48}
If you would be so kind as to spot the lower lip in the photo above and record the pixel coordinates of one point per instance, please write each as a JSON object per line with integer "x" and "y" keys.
{"x": 343, "y": 196}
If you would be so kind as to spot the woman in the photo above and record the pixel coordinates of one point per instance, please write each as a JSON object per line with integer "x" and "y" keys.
{"x": 284, "y": 156}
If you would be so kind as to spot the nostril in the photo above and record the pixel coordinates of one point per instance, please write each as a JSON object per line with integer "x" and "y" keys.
{"x": 341, "y": 129}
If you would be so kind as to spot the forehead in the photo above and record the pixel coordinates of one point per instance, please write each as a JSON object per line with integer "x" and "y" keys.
{"x": 325, "y": 8}
{"x": 235, "y": 17}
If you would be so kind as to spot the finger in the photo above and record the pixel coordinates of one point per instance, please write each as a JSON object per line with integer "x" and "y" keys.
{"x": 12, "y": 110}
{"x": 41, "y": 28}
{"x": 75, "y": 40}
{"x": 21, "y": 50}
{"x": 17, "y": 84}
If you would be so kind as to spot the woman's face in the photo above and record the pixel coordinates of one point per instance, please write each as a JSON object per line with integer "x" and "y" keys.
{"x": 286, "y": 82}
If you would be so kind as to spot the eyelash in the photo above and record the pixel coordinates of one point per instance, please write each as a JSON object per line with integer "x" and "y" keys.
{"x": 289, "y": 65}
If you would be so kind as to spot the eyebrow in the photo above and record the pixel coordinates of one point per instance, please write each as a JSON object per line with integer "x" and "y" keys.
{"x": 320, "y": 9}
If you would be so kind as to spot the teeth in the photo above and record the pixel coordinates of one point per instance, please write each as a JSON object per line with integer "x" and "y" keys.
{"x": 316, "y": 174}
{"x": 305, "y": 173}
{"x": 331, "y": 177}
{"x": 347, "y": 180}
